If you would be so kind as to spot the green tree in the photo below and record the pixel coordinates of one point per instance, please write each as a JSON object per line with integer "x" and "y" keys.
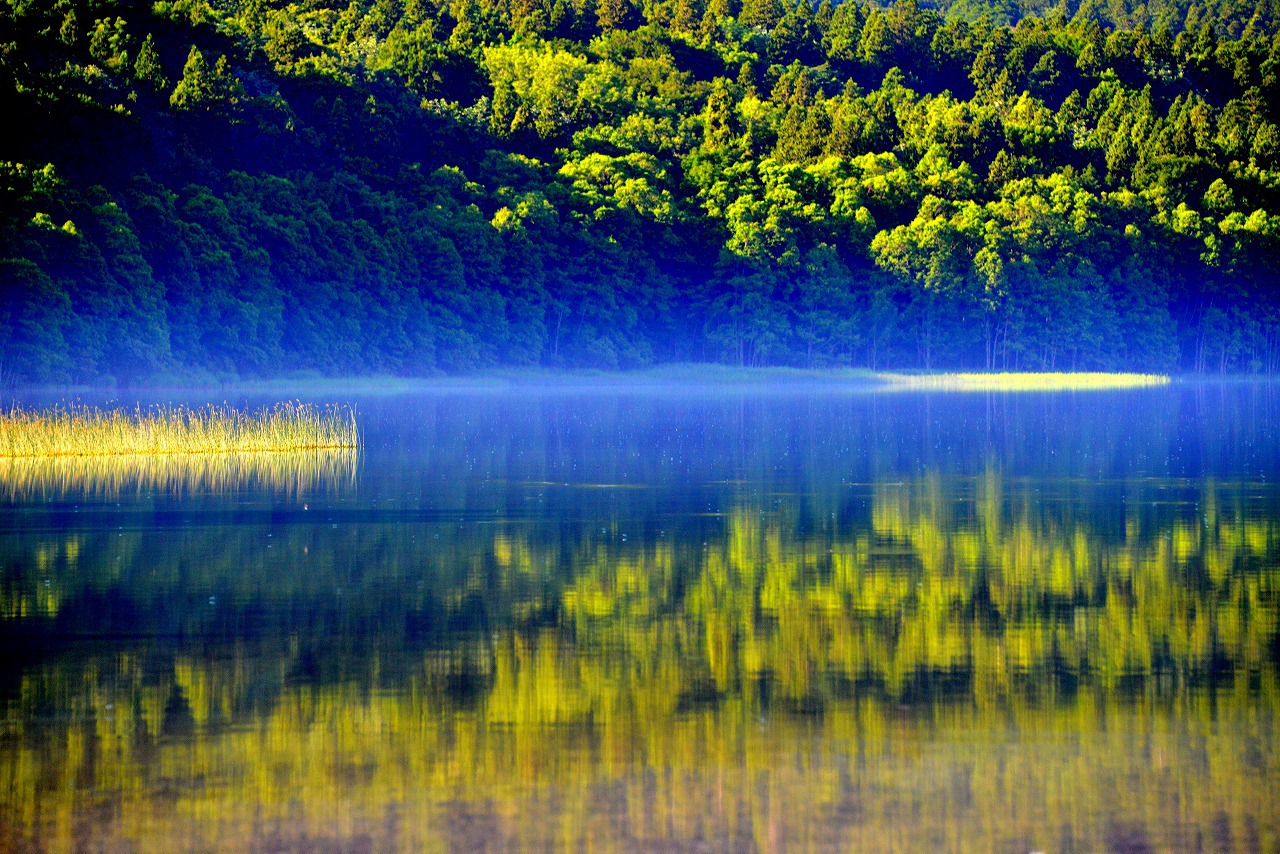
{"x": 147, "y": 68}
{"x": 196, "y": 89}
{"x": 109, "y": 44}
{"x": 216, "y": 91}
{"x": 764, "y": 14}
{"x": 69, "y": 31}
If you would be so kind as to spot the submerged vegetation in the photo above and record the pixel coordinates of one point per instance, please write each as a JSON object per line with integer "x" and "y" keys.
{"x": 421, "y": 187}
{"x": 80, "y": 431}
{"x": 1080, "y": 381}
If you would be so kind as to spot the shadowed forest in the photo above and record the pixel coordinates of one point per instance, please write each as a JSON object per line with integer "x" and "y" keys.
{"x": 251, "y": 189}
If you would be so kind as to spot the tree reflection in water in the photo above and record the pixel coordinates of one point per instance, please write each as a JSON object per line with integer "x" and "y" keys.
{"x": 941, "y": 662}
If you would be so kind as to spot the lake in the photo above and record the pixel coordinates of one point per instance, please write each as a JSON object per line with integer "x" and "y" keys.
{"x": 660, "y": 618}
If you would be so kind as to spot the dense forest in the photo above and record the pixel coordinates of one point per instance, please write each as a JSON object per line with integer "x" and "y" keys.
{"x": 250, "y": 188}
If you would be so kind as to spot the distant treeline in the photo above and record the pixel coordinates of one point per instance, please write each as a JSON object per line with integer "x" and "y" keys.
{"x": 248, "y": 188}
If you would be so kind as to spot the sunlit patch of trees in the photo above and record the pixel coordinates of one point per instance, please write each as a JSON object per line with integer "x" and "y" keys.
{"x": 249, "y": 189}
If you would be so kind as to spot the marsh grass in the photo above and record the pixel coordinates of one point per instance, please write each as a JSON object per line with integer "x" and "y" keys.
{"x": 1076, "y": 381}
{"x": 82, "y": 431}
{"x": 290, "y": 473}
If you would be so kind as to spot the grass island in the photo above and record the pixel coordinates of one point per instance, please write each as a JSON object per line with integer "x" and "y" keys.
{"x": 86, "y": 431}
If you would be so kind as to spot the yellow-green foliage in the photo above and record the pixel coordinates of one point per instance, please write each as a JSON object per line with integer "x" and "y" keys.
{"x": 80, "y": 431}
{"x": 1081, "y": 381}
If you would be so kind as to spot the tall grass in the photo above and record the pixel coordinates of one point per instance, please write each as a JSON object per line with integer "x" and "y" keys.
{"x": 1081, "y": 381}
{"x": 83, "y": 431}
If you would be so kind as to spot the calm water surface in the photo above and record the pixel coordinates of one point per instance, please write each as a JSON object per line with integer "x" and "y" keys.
{"x": 661, "y": 619}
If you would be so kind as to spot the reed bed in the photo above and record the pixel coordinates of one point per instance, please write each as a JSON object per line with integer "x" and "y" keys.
{"x": 83, "y": 431}
{"x": 289, "y": 473}
{"x": 1075, "y": 381}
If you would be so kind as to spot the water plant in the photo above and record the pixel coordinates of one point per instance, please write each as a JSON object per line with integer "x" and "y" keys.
{"x": 1027, "y": 381}
{"x": 85, "y": 431}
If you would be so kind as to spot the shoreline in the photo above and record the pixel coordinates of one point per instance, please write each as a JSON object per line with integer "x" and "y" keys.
{"x": 684, "y": 374}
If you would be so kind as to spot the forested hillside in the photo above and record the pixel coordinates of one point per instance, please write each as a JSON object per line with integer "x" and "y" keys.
{"x": 244, "y": 189}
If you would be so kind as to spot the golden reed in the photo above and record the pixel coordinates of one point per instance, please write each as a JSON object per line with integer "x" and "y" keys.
{"x": 82, "y": 431}
{"x": 292, "y": 448}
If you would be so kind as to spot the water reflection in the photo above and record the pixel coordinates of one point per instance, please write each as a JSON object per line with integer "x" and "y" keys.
{"x": 938, "y": 661}
{"x": 288, "y": 472}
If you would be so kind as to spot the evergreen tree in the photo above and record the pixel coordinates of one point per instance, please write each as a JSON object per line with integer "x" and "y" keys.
{"x": 196, "y": 89}
{"x": 146, "y": 68}
{"x": 764, "y": 14}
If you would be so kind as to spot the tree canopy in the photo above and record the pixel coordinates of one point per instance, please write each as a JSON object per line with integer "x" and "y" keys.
{"x": 409, "y": 187}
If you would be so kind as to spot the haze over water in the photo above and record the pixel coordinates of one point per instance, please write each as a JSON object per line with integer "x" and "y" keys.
{"x": 720, "y": 618}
